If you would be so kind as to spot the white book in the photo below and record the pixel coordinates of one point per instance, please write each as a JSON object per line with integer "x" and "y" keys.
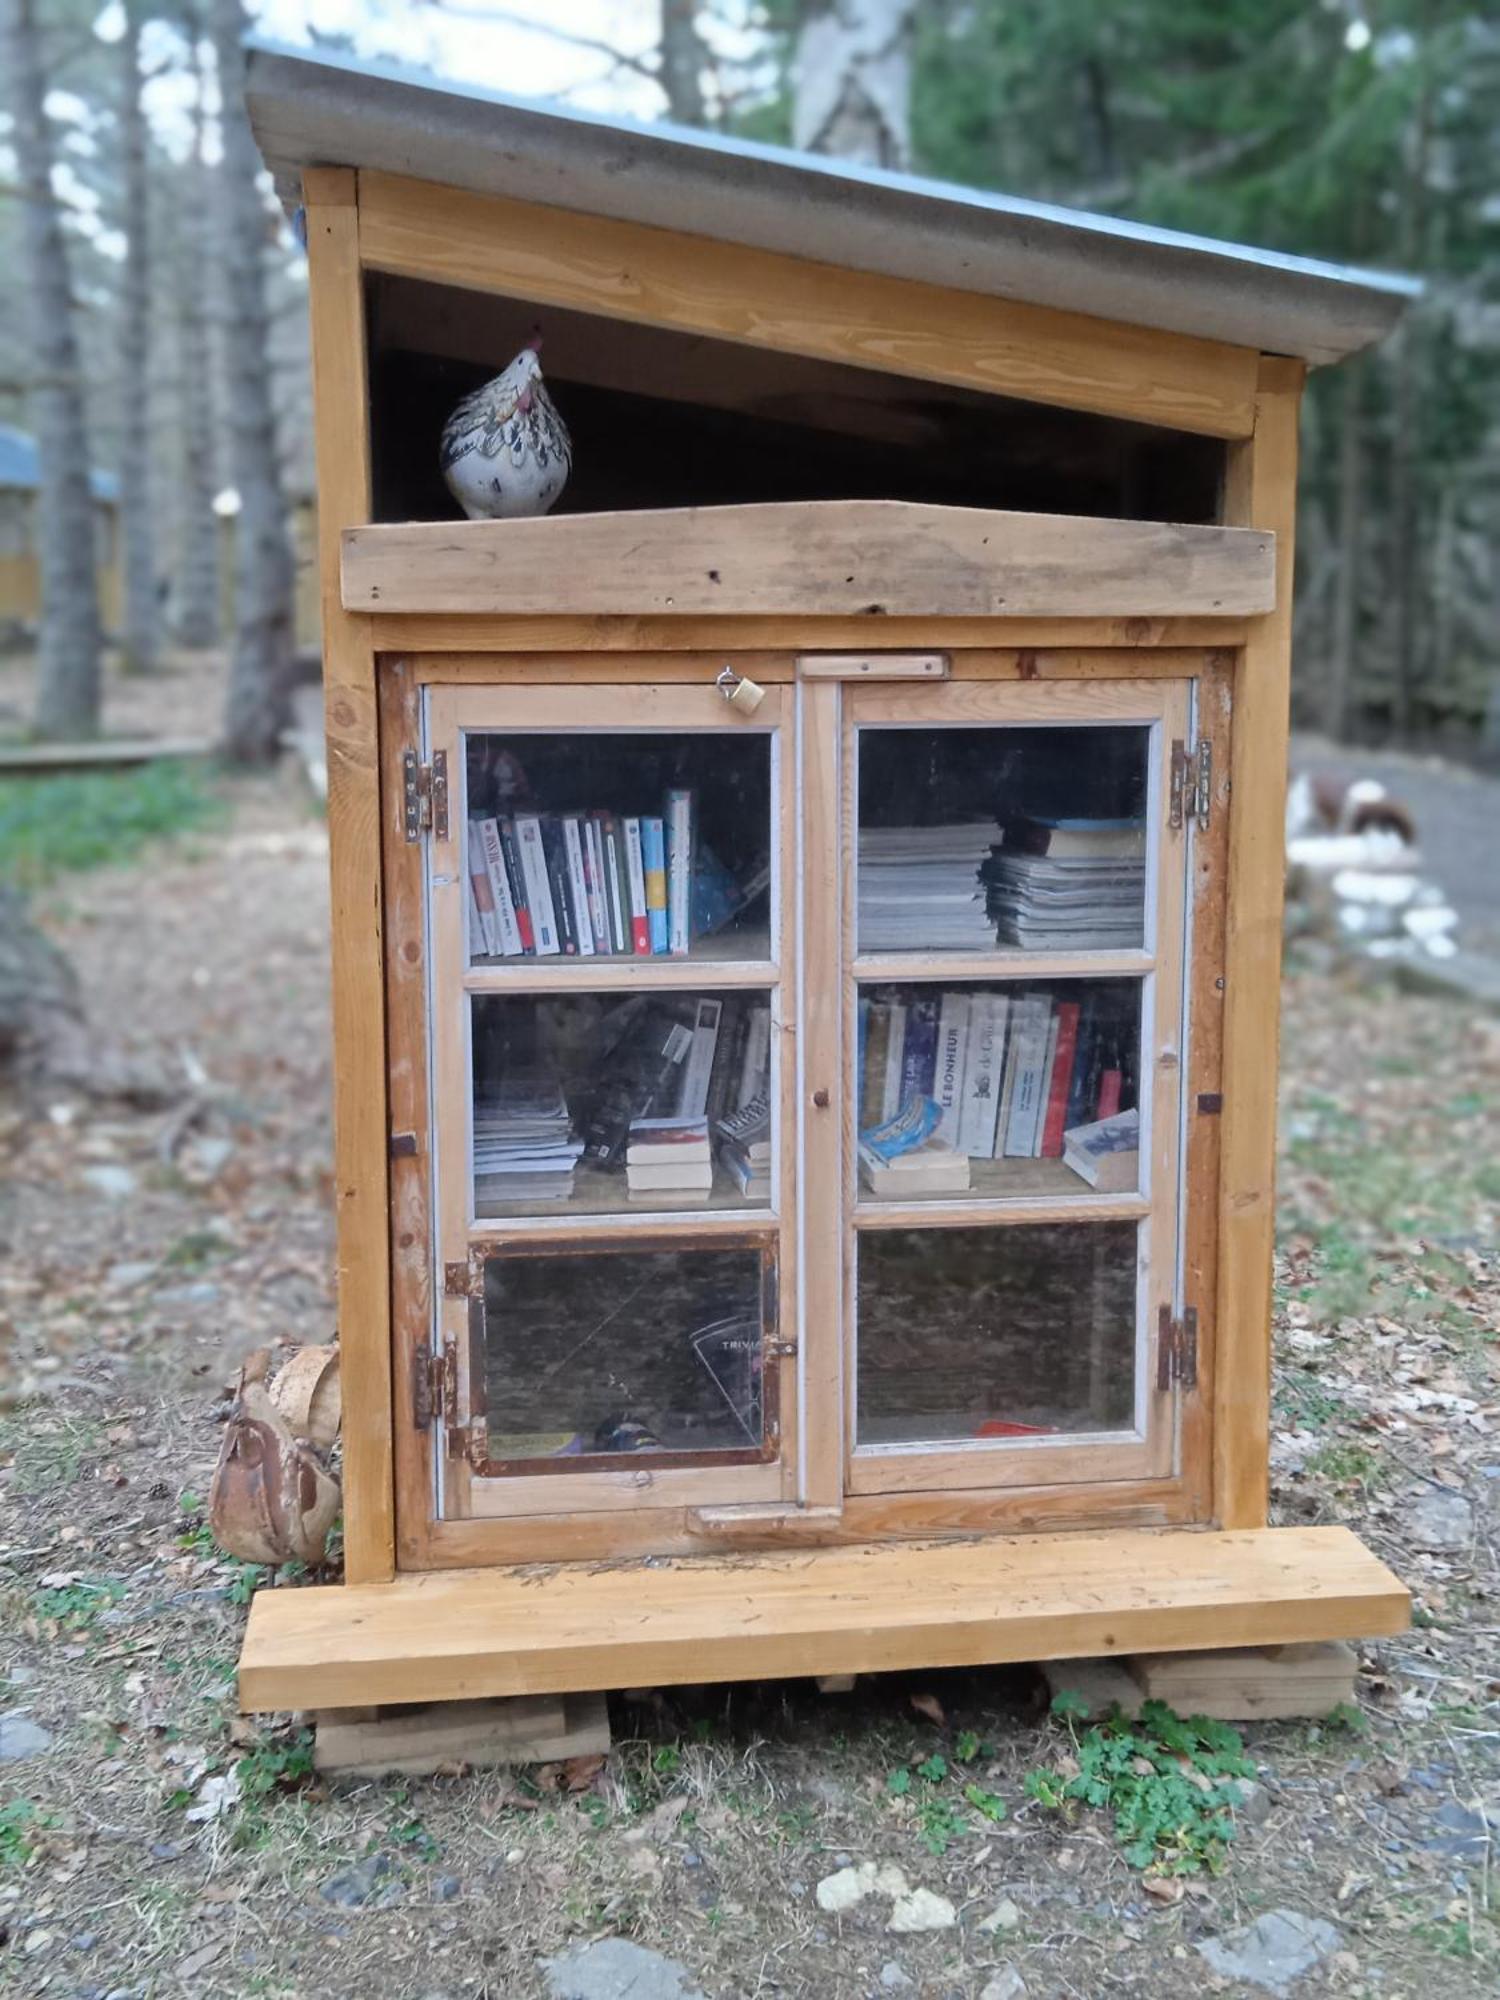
{"x": 755, "y": 1073}
{"x": 1049, "y": 1061}
{"x": 948, "y": 1072}
{"x": 538, "y": 887}
{"x": 593, "y": 856}
{"x": 619, "y": 916}
{"x": 983, "y": 1075}
{"x": 891, "y": 1097}
{"x": 507, "y": 930}
{"x": 1028, "y": 1055}
{"x": 679, "y": 834}
{"x": 578, "y": 888}
{"x": 692, "y": 1095}
{"x": 635, "y": 866}
{"x": 480, "y": 935}
{"x": 676, "y": 1174}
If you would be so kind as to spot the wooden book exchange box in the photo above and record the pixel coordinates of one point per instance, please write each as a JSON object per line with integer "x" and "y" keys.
{"x": 992, "y": 506}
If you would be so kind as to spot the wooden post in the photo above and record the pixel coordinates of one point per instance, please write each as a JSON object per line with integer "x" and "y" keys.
{"x": 341, "y": 401}
{"x": 1260, "y": 491}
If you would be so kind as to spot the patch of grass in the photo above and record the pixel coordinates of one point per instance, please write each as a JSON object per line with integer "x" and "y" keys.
{"x": 1344, "y": 1464}
{"x": 19, "y": 1822}
{"x": 193, "y": 1251}
{"x": 77, "y": 1605}
{"x": 88, "y": 819}
{"x": 1168, "y": 1780}
{"x": 943, "y": 1815}
{"x": 45, "y": 1457}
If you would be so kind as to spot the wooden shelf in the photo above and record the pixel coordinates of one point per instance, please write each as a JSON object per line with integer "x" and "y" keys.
{"x": 861, "y": 1608}
{"x": 599, "y": 1196}
{"x": 834, "y": 558}
{"x": 1003, "y": 963}
{"x": 732, "y": 959}
{"x": 1004, "y": 1190}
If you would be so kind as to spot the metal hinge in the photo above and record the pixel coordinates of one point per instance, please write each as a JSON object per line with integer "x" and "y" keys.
{"x": 1177, "y": 1349}
{"x": 424, "y": 795}
{"x": 1191, "y": 791}
{"x": 434, "y": 1386}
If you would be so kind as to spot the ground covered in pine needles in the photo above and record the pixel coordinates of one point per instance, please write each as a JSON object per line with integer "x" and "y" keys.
{"x": 153, "y": 1843}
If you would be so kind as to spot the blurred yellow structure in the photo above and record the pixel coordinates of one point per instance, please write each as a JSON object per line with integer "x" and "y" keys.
{"x": 20, "y": 569}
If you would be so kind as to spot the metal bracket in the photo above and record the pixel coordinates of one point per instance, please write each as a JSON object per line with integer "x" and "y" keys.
{"x": 1177, "y": 1349}
{"x": 1191, "y": 786}
{"x": 424, "y": 795}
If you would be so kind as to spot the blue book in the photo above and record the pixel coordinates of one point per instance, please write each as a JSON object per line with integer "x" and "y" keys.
{"x": 919, "y": 1050}
{"x": 654, "y": 863}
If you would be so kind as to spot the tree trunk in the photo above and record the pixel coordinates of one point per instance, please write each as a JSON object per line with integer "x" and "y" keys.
{"x": 1405, "y": 422}
{"x": 682, "y": 62}
{"x": 140, "y": 636}
{"x": 68, "y": 664}
{"x": 258, "y": 705}
{"x": 851, "y": 80}
{"x": 195, "y": 607}
{"x": 1345, "y": 637}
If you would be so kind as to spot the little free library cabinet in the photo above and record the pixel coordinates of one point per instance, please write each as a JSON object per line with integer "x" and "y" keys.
{"x": 887, "y": 724}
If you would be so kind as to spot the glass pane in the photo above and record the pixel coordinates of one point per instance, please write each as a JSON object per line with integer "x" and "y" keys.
{"x": 1023, "y": 1088}
{"x": 590, "y": 1103}
{"x": 581, "y": 845}
{"x": 1009, "y": 839}
{"x": 969, "y": 1334}
{"x": 623, "y": 1353}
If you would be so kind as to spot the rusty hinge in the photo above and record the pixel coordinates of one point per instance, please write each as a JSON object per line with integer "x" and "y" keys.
{"x": 782, "y": 1350}
{"x": 424, "y": 795}
{"x": 434, "y": 1385}
{"x": 1177, "y": 1349}
{"x": 1191, "y": 787}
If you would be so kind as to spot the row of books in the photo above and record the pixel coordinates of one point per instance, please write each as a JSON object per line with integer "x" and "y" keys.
{"x": 581, "y": 884}
{"x": 1009, "y": 1072}
{"x": 598, "y": 884}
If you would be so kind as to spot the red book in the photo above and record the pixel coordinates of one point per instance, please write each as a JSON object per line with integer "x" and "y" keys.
{"x": 1055, "y": 1115}
{"x": 1109, "y": 1094}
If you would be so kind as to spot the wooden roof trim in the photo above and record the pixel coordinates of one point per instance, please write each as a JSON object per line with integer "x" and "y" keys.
{"x": 729, "y": 291}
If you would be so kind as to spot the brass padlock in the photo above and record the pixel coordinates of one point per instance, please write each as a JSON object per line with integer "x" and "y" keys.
{"x": 745, "y": 695}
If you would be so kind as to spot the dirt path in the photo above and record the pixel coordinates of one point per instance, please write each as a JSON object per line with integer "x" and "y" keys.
{"x": 144, "y": 1251}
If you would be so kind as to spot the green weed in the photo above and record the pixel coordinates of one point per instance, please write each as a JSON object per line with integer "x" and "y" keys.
{"x": 1344, "y": 1464}
{"x": 943, "y": 1815}
{"x": 89, "y": 819}
{"x": 1167, "y": 1780}
{"x": 19, "y": 1822}
{"x": 79, "y": 1604}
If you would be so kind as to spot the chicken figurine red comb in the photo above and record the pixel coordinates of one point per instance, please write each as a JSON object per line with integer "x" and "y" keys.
{"x": 506, "y": 453}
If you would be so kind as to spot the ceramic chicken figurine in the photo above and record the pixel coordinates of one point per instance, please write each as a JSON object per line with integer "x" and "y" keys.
{"x": 506, "y": 453}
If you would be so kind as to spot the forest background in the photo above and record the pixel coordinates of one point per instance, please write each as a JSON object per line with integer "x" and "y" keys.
{"x": 152, "y": 309}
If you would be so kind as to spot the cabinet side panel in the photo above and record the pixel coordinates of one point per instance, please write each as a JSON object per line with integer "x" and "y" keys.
{"x": 1260, "y": 491}
{"x": 359, "y": 1088}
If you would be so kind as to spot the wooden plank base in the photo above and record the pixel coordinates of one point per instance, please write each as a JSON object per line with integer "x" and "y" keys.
{"x": 457, "y": 1635}
{"x": 1239, "y": 1684}
{"x": 520, "y": 1729}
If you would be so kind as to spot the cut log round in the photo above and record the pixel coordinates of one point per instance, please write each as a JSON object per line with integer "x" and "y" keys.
{"x": 307, "y": 1394}
{"x": 271, "y": 1500}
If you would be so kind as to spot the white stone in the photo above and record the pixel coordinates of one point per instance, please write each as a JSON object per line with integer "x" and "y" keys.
{"x": 1004, "y": 1917}
{"x": 21, "y": 1738}
{"x": 894, "y": 1978}
{"x": 615, "y": 1969}
{"x": 922, "y": 1910}
{"x": 1273, "y": 1951}
{"x": 1005, "y": 1984}
{"x": 846, "y": 1888}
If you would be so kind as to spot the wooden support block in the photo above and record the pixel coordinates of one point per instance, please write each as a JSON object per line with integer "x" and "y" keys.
{"x": 836, "y": 1683}
{"x": 1250, "y": 1683}
{"x": 1102, "y": 1684}
{"x": 519, "y": 1729}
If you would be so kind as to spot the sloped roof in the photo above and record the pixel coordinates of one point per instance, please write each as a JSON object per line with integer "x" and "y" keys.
{"x": 20, "y": 465}
{"x": 330, "y": 110}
